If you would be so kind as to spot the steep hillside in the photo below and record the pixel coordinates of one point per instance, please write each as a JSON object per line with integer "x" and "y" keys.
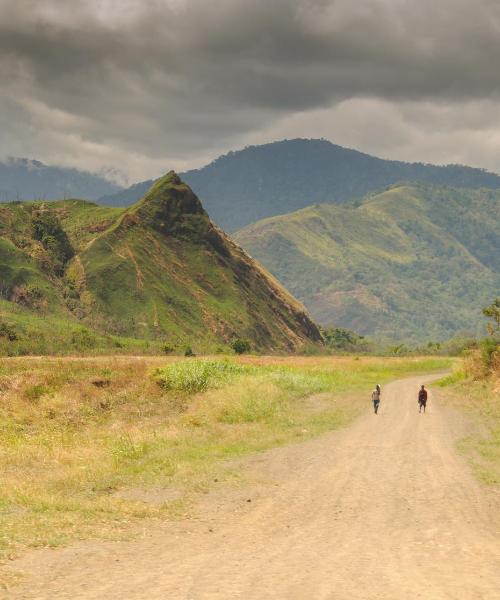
{"x": 412, "y": 263}
{"x": 159, "y": 270}
{"x": 24, "y": 179}
{"x": 261, "y": 181}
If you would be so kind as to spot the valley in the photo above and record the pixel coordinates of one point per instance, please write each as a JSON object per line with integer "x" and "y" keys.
{"x": 249, "y": 300}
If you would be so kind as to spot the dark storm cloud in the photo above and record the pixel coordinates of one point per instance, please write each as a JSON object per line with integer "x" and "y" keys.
{"x": 178, "y": 80}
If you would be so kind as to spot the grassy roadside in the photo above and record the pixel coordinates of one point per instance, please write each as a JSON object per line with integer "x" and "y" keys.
{"x": 477, "y": 392}
{"x": 80, "y": 437}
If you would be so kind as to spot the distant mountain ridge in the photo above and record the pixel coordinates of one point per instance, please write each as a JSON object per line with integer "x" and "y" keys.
{"x": 413, "y": 263}
{"x": 158, "y": 270}
{"x": 27, "y": 179}
{"x": 245, "y": 186}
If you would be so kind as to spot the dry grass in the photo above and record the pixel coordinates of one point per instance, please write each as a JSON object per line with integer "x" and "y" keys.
{"x": 476, "y": 390}
{"x": 76, "y": 434}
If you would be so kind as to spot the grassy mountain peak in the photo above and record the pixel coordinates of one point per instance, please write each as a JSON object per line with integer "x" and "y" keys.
{"x": 169, "y": 207}
{"x": 158, "y": 270}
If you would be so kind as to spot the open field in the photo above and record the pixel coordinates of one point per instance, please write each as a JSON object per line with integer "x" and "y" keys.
{"x": 92, "y": 447}
{"x": 385, "y": 508}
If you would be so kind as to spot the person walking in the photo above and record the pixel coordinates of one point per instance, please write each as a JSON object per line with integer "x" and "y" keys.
{"x": 422, "y": 399}
{"x": 376, "y": 398}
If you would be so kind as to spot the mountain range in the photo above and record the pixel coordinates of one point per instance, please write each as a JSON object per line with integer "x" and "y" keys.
{"x": 412, "y": 263}
{"x": 394, "y": 250}
{"x": 26, "y": 179}
{"x": 158, "y": 270}
{"x": 242, "y": 187}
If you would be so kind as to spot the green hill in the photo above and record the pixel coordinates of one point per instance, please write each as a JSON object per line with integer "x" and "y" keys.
{"x": 159, "y": 270}
{"x": 242, "y": 187}
{"x": 412, "y": 263}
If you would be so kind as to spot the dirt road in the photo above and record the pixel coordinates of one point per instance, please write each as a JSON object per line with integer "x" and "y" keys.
{"x": 386, "y": 509}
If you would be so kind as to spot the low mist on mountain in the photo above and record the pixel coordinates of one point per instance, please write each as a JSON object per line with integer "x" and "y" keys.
{"x": 25, "y": 179}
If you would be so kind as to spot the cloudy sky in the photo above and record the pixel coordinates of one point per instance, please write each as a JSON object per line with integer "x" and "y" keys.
{"x": 145, "y": 85}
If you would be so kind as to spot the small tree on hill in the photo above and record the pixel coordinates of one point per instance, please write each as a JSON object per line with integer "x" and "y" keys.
{"x": 8, "y": 332}
{"x": 490, "y": 346}
{"x": 493, "y": 312}
{"x": 47, "y": 229}
{"x": 240, "y": 346}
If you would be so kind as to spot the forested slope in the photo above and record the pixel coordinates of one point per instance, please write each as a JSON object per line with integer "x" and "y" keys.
{"x": 412, "y": 263}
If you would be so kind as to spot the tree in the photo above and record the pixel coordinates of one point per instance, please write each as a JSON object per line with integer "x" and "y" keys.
{"x": 240, "y": 346}
{"x": 47, "y": 230}
{"x": 7, "y": 331}
{"x": 493, "y": 312}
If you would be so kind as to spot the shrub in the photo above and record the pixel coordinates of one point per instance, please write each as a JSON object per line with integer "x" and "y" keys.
{"x": 488, "y": 348}
{"x": 478, "y": 362}
{"x": 197, "y": 375}
{"x": 30, "y": 296}
{"x": 47, "y": 229}
{"x": 189, "y": 351}
{"x": 398, "y": 350}
{"x": 493, "y": 312}
{"x": 35, "y": 392}
{"x": 240, "y": 346}
{"x": 7, "y": 331}
{"x": 344, "y": 339}
{"x": 167, "y": 349}
{"x": 83, "y": 339}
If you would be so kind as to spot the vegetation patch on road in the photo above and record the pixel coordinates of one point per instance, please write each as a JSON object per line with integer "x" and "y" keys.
{"x": 76, "y": 434}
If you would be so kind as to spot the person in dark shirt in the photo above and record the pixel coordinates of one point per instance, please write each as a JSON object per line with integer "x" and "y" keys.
{"x": 422, "y": 399}
{"x": 376, "y": 399}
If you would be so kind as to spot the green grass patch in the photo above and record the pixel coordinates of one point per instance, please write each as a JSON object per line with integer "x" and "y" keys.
{"x": 453, "y": 378}
{"x": 193, "y": 376}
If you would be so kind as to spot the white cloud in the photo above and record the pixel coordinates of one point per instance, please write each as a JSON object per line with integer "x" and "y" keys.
{"x": 437, "y": 132}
